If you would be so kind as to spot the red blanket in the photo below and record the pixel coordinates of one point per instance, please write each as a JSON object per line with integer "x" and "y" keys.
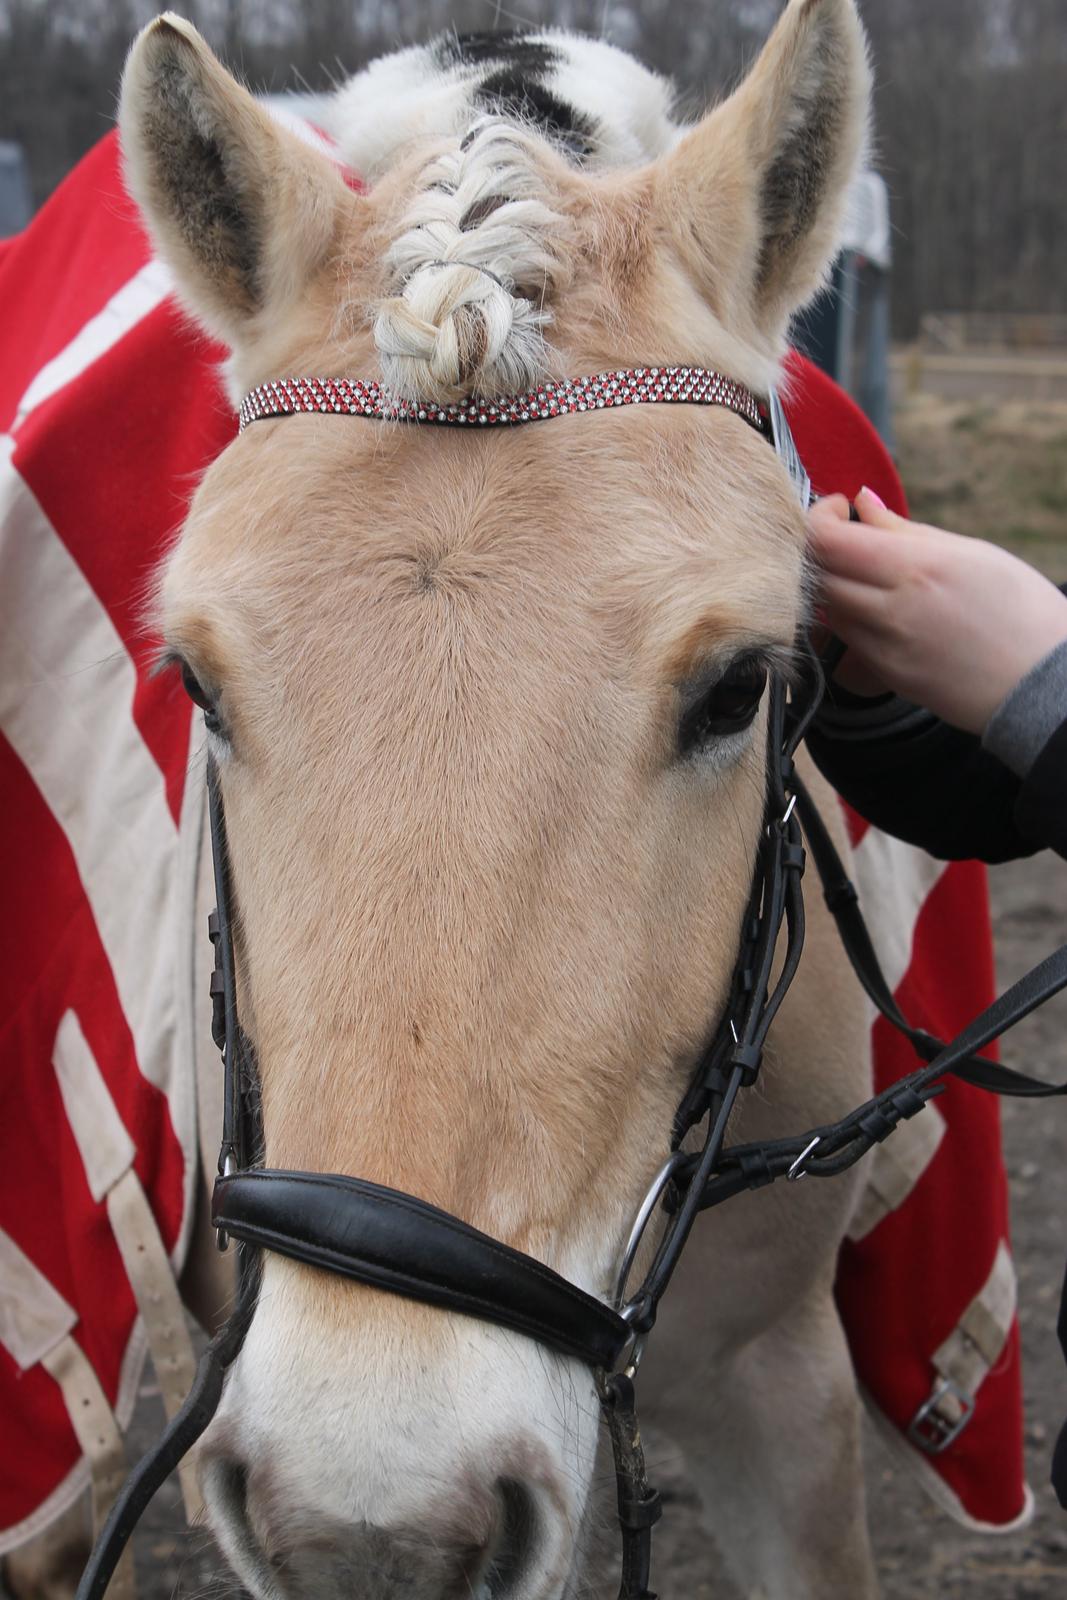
{"x": 112, "y": 409}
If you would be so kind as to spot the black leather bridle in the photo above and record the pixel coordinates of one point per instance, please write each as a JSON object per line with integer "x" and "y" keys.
{"x": 396, "y": 1242}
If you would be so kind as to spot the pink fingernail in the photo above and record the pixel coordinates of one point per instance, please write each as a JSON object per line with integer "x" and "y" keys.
{"x": 876, "y": 498}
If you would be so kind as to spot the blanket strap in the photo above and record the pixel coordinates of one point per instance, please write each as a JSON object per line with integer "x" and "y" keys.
{"x": 179, "y": 1436}
{"x": 155, "y": 1289}
{"x": 97, "y": 1432}
{"x": 966, "y": 1358}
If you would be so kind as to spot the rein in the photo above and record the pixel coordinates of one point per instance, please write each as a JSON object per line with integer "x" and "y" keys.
{"x": 394, "y": 1241}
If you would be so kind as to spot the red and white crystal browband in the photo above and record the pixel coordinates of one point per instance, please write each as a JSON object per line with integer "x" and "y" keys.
{"x": 353, "y": 397}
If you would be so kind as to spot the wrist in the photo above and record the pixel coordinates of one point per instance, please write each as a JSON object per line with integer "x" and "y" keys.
{"x": 1032, "y": 648}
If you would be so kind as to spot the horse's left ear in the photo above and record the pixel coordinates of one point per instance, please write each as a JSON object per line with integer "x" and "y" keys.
{"x": 241, "y": 210}
{"x": 754, "y": 195}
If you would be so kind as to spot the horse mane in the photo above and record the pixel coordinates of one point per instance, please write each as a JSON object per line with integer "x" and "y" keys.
{"x": 473, "y": 270}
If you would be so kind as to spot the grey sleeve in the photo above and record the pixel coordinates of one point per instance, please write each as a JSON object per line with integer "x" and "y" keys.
{"x": 1027, "y": 718}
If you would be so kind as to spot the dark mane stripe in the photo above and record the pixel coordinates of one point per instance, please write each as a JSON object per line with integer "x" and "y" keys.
{"x": 518, "y": 49}
{"x": 517, "y": 84}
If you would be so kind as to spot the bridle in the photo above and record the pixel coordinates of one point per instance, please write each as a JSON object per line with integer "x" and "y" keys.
{"x": 399, "y": 1243}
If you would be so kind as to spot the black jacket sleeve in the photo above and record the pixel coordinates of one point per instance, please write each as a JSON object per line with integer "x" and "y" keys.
{"x": 933, "y": 785}
{"x": 1041, "y": 809}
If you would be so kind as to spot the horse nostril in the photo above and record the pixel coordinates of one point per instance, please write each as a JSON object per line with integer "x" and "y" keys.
{"x": 513, "y": 1540}
{"x": 225, "y": 1481}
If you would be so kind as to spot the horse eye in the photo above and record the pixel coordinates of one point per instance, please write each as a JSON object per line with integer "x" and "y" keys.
{"x": 728, "y": 706}
{"x": 194, "y": 688}
{"x": 200, "y": 697}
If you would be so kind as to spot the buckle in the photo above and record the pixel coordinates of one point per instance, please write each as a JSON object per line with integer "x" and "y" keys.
{"x": 648, "y": 1205}
{"x": 929, "y": 1428}
{"x": 227, "y": 1167}
{"x": 799, "y": 1169}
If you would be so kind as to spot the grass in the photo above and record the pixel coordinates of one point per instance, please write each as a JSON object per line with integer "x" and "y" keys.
{"x": 972, "y": 421}
{"x": 1054, "y": 499}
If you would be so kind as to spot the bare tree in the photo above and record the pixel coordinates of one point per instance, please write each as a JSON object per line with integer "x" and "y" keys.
{"x": 970, "y": 98}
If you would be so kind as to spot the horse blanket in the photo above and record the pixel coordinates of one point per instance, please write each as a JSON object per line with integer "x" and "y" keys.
{"x": 111, "y": 409}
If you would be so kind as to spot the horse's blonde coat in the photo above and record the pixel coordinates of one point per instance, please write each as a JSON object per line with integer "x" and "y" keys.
{"x": 487, "y": 914}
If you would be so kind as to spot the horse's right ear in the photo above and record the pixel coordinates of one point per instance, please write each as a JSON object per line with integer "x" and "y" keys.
{"x": 241, "y": 210}
{"x": 753, "y": 196}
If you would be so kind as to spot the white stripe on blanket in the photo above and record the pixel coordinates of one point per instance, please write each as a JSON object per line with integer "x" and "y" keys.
{"x": 34, "y": 1317}
{"x": 66, "y": 696}
{"x": 894, "y": 882}
{"x": 138, "y": 296}
{"x": 106, "y": 1147}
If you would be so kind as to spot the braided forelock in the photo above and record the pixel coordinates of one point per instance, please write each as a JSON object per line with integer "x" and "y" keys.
{"x": 472, "y": 272}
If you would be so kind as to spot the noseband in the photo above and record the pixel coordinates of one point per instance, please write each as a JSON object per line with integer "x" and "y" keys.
{"x": 396, "y": 1242}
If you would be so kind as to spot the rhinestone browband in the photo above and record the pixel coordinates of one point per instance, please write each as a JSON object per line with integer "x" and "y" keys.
{"x": 283, "y": 397}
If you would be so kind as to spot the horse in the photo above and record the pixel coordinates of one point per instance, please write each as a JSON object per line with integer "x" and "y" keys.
{"x": 490, "y": 724}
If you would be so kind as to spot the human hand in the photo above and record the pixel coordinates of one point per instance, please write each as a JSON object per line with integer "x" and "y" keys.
{"x": 947, "y": 622}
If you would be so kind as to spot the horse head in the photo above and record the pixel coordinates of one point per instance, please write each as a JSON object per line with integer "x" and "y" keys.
{"x": 487, "y": 714}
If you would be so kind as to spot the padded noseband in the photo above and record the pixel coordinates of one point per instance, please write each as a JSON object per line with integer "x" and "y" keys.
{"x": 396, "y": 1242}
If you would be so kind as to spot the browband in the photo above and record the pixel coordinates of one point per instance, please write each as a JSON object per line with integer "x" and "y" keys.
{"x": 396, "y": 1242}
{"x": 630, "y": 386}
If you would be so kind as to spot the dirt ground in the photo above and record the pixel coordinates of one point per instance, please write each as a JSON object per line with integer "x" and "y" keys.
{"x": 1001, "y": 474}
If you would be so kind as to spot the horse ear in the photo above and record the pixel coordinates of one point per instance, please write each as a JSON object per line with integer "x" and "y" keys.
{"x": 240, "y": 209}
{"x": 754, "y": 195}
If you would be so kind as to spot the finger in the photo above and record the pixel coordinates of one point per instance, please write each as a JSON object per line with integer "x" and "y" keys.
{"x": 851, "y": 550}
{"x": 829, "y": 542}
{"x": 835, "y": 505}
{"x": 875, "y": 513}
{"x": 853, "y": 610}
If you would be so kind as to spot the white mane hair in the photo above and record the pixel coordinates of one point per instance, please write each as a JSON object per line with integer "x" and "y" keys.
{"x": 473, "y": 269}
{"x": 481, "y": 247}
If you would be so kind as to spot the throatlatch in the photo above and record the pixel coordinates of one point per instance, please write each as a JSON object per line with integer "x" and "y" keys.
{"x": 399, "y": 1243}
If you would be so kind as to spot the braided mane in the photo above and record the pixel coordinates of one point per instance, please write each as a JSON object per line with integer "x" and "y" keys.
{"x": 473, "y": 271}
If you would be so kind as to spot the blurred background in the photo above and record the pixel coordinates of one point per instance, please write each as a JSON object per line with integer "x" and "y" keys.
{"x": 971, "y": 114}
